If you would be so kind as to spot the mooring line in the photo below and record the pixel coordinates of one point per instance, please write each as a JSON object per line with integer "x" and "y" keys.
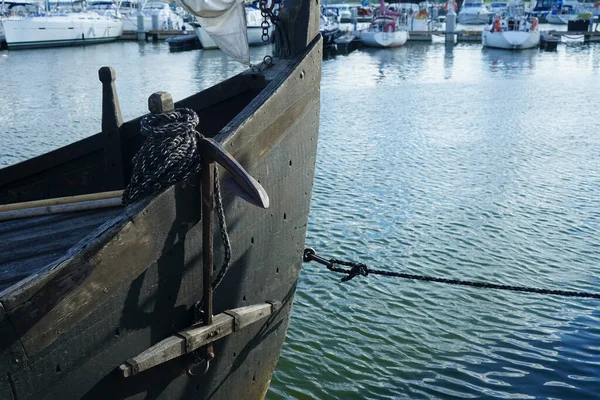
{"x": 362, "y": 269}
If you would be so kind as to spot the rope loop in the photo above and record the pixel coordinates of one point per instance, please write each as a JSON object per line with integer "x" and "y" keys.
{"x": 175, "y": 123}
{"x": 169, "y": 154}
{"x": 357, "y": 269}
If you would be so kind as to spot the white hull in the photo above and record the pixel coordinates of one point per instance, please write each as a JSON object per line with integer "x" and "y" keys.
{"x": 384, "y": 39}
{"x": 560, "y": 19}
{"x": 413, "y": 24}
{"x": 512, "y": 40}
{"x": 469, "y": 18}
{"x": 61, "y": 30}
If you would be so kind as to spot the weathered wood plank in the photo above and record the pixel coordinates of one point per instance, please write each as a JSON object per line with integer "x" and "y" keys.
{"x": 49, "y": 160}
{"x": 28, "y": 246}
{"x": 12, "y": 355}
{"x": 60, "y": 200}
{"x": 78, "y": 175}
{"x": 301, "y": 21}
{"x": 6, "y": 392}
{"x": 70, "y": 292}
{"x": 60, "y": 209}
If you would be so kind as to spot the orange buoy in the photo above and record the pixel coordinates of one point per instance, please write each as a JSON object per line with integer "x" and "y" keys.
{"x": 534, "y": 24}
{"x": 497, "y": 25}
{"x": 447, "y": 6}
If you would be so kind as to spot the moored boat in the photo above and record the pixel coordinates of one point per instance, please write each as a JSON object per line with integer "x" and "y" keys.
{"x": 540, "y": 9}
{"x": 153, "y": 15}
{"x": 329, "y": 29}
{"x": 562, "y": 12}
{"x": 511, "y": 32}
{"x": 385, "y": 30}
{"x": 61, "y": 29}
{"x": 414, "y": 18}
{"x": 11, "y": 10}
{"x": 342, "y": 10}
{"x": 101, "y": 300}
{"x": 473, "y": 12}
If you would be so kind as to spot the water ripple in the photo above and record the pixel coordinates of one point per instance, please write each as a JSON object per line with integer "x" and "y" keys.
{"x": 463, "y": 163}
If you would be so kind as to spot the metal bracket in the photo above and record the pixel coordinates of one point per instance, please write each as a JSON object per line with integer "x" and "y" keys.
{"x": 236, "y": 319}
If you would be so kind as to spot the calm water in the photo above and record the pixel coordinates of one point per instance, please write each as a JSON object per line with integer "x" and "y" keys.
{"x": 462, "y": 163}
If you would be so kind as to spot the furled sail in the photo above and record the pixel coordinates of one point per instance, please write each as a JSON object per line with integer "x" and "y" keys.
{"x": 225, "y": 22}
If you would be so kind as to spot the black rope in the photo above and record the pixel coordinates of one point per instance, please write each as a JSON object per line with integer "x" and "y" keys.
{"x": 361, "y": 269}
{"x": 169, "y": 155}
{"x": 224, "y": 236}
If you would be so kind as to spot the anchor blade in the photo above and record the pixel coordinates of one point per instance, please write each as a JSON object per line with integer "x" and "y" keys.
{"x": 243, "y": 184}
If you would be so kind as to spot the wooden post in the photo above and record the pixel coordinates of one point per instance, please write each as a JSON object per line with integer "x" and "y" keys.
{"x": 301, "y": 23}
{"x": 111, "y": 131}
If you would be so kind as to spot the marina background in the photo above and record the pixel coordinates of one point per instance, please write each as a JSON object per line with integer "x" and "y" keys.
{"x": 453, "y": 161}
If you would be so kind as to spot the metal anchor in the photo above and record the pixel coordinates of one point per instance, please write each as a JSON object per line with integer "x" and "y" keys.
{"x": 243, "y": 186}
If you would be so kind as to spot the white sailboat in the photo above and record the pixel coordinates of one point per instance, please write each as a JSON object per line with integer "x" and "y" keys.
{"x": 155, "y": 15}
{"x": 414, "y": 18}
{"x": 474, "y": 12}
{"x": 385, "y": 30}
{"x": 16, "y": 10}
{"x": 511, "y": 32}
{"x": 60, "y": 29}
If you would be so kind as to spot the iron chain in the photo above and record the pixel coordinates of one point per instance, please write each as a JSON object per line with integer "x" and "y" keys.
{"x": 267, "y": 12}
{"x": 361, "y": 269}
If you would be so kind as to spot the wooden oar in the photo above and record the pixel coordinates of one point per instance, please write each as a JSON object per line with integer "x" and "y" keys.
{"x": 60, "y": 205}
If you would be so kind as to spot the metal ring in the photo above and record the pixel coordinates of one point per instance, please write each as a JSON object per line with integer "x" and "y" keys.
{"x": 268, "y": 61}
{"x": 194, "y": 365}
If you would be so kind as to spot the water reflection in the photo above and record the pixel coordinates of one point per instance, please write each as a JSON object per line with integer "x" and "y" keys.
{"x": 509, "y": 62}
{"x": 448, "y": 60}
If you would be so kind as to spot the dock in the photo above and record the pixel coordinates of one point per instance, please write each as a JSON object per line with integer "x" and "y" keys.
{"x": 153, "y": 35}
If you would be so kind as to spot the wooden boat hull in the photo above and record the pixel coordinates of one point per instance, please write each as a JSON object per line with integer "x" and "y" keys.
{"x": 134, "y": 281}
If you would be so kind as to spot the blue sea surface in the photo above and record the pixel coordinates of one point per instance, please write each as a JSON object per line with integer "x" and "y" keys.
{"x": 456, "y": 162}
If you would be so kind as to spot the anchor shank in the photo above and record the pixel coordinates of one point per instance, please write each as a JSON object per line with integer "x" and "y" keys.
{"x": 208, "y": 223}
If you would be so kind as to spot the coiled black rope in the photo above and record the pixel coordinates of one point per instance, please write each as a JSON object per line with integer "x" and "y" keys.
{"x": 361, "y": 269}
{"x": 169, "y": 155}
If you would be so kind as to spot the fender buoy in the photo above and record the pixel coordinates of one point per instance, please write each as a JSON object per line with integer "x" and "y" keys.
{"x": 391, "y": 25}
{"x": 447, "y": 6}
{"x": 497, "y": 26}
{"x": 534, "y": 24}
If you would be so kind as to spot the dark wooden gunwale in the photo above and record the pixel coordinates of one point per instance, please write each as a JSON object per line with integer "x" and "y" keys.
{"x": 110, "y": 149}
{"x": 73, "y": 301}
